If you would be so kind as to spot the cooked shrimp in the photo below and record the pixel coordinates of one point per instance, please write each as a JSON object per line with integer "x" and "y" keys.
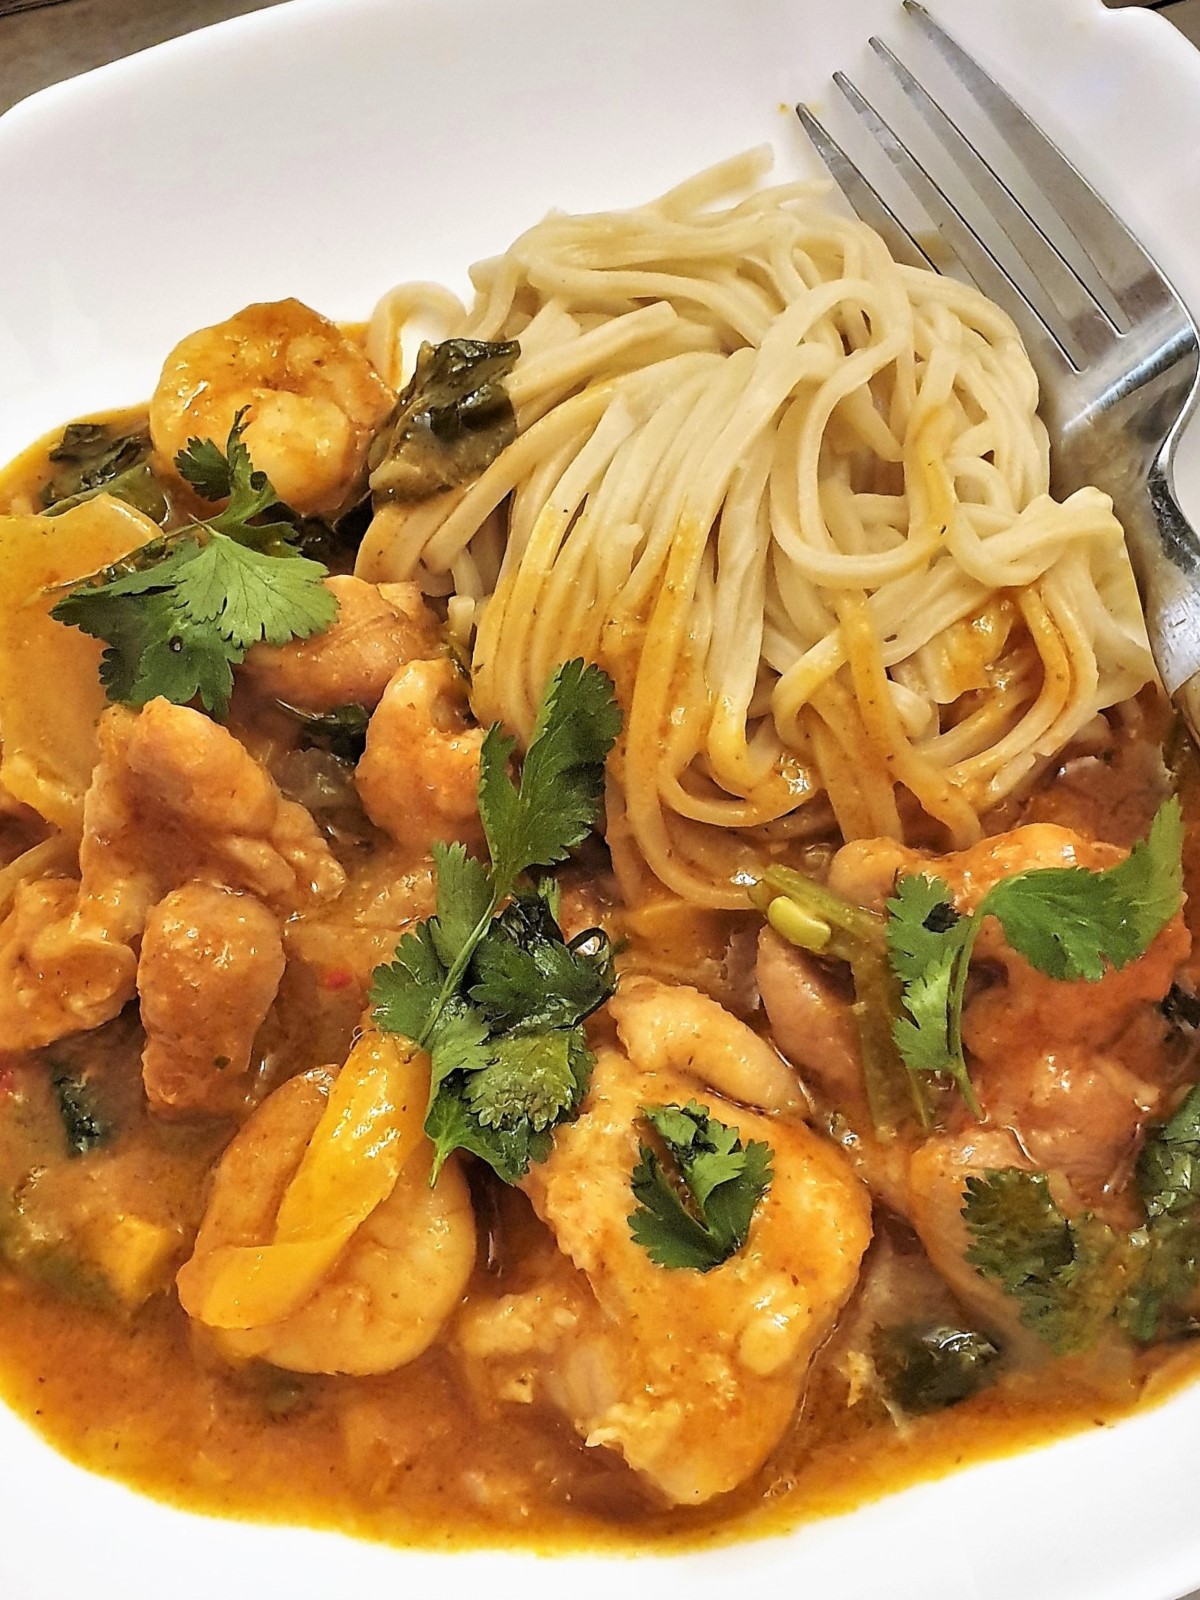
{"x": 210, "y": 965}
{"x": 376, "y": 631}
{"x": 1050, "y": 1058}
{"x": 693, "y": 1377}
{"x": 419, "y": 774}
{"x": 1059, "y": 1067}
{"x": 315, "y": 401}
{"x": 324, "y": 1248}
{"x": 671, "y": 1028}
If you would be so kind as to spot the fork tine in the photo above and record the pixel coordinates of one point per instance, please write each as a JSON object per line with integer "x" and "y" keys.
{"x": 1119, "y": 260}
{"x": 864, "y": 198}
{"x": 977, "y": 260}
{"x": 1065, "y": 304}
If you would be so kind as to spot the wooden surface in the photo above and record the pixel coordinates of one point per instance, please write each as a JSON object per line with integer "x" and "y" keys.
{"x": 42, "y": 41}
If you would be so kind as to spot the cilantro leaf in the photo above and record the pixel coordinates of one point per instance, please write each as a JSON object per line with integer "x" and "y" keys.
{"x": 248, "y": 597}
{"x": 809, "y": 915}
{"x": 342, "y": 731}
{"x": 526, "y": 977}
{"x": 207, "y": 467}
{"x": 921, "y": 919}
{"x": 451, "y": 422}
{"x": 929, "y": 946}
{"x": 534, "y": 1078}
{"x": 451, "y": 1125}
{"x": 1168, "y": 1168}
{"x": 459, "y": 1044}
{"x": 464, "y": 900}
{"x": 1071, "y": 923}
{"x": 924, "y": 1369}
{"x": 694, "y": 1210}
{"x": 1051, "y": 1265}
{"x": 91, "y": 458}
{"x": 177, "y": 627}
{"x": 405, "y": 993}
{"x": 1073, "y": 1277}
{"x": 558, "y": 799}
{"x": 493, "y": 990}
{"x": 180, "y": 614}
{"x": 230, "y": 475}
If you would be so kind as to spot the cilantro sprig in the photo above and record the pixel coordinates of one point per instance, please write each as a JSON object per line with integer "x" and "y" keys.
{"x": 1074, "y": 1277}
{"x": 1070, "y": 923}
{"x": 910, "y": 968}
{"x": 695, "y": 1206}
{"x": 489, "y": 985}
{"x": 179, "y": 615}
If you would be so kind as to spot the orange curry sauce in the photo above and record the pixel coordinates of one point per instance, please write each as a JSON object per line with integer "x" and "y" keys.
{"x": 420, "y": 1456}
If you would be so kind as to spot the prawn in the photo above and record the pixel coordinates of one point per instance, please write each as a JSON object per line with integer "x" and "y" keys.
{"x": 419, "y": 774}
{"x": 314, "y": 401}
{"x": 324, "y": 1247}
{"x": 693, "y": 1381}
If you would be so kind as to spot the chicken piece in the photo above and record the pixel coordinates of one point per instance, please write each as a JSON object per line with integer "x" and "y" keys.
{"x": 693, "y": 1377}
{"x": 314, "y": 402}
{"x": 60, "y": 973}
{"x": 176, "y": 798}
{"x": 324, "y": 1247}
{"x": 1065, "y": 1072}
{"x": 377, "y": 630}
{"x": 419, "y": 774}
{"x": 937, "y": 1189}
{"x": 210, "y": 965}
{"x": 810, "y": 1021}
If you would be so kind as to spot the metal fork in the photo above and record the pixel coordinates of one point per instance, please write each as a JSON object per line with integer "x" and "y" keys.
{"x": 1114, "y": 347}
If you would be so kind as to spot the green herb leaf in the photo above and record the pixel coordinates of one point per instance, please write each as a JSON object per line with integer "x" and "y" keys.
{"x": 497, "y": 995}
{"x": 1054, "y": 1267}
{"x": 1074, "y": 1277}
{"x": 694, "y": 1210}
{"x": 1069, "y": 923}
{"x": 464, "y": 901}
{"x": 342, "y": 731}
{"x": 535, "y": 824}
{"x": 92, "y": 459}
{"x": 525, "y": 977}
{"x": 406, "y": 994}
{"x": 177, "y": 628}
{"x": 534, "y": 1078}
{"x": 452, "y": 420}
{"x": 230, "y": 475}
{"x": 180, "y": 615}
{"x": 1168, "y": 1168}
{"x": 83, "y": 1125}
{"x": 924, "y": 1369}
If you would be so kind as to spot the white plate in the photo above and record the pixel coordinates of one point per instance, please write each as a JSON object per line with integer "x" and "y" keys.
{"x": 326, "y": 149}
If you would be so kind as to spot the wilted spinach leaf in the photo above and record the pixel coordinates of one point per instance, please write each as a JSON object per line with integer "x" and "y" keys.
{"x": 452, "y": 420}
{"x": 91, "y": 459}
{"x": 924, "y": 1369}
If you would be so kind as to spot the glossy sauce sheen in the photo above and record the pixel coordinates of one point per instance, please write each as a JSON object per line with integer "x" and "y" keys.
{"x": 418, "y": 1456}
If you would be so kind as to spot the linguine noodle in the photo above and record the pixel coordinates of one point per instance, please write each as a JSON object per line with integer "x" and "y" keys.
{"x": 795, "y": 498}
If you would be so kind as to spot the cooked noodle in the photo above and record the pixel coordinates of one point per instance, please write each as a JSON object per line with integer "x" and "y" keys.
{"x": 794, "y": 497}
